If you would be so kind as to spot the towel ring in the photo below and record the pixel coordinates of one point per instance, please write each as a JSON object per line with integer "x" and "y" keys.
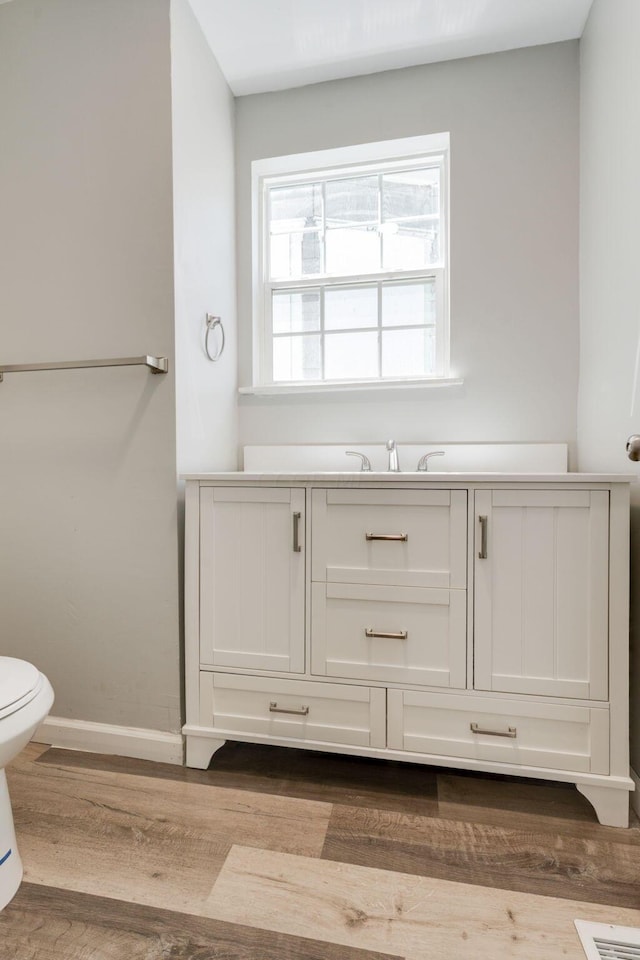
{"x": 213, "y": 322}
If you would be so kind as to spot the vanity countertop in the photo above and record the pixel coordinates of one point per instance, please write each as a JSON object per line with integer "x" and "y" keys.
{"x": 431, "y": 477}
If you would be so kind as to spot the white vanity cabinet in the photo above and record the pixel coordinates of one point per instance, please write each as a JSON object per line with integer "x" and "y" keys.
{"x": 476, "y": 621}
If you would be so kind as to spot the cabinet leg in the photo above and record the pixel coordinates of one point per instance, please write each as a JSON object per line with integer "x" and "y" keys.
{"x": 200, "y": 750}
{"x": 611, "y": 806}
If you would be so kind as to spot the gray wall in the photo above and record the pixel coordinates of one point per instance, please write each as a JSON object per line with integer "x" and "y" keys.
{"x": 204, "y": 239}
{"x": 609, "y": 395}
{"x": 88, "y": 529}
{"x": 513, "y": 119}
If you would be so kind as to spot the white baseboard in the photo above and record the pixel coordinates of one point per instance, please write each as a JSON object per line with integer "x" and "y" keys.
{"x": 106, "y": 738}
{"x": 635, "y": 794}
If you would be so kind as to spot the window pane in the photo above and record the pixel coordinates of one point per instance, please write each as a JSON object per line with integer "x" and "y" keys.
{"x": 410, "y": 244}
{"x": 296, "y": 312}
{"x": 408, "y": 303}
{"x": 296, "y": 358}
{"x": 408, "y": 353}
{"x": 410, "y": 193}
{"x": 295, "y": 207}
{"x": 355, "y": 250}
{"x": 295, "y": 255}
{"x": 352, "y": 238}
{"x": 347, "y": 307}
{"x": 351, "y": 201}
{"x": 351, "y": 262}
{"x": 351, "y": 356}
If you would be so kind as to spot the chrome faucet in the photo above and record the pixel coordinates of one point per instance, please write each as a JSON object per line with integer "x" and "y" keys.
{"x": 394, "y": 465}
{"x": 365, "y": 463}
{"x": 423, "y": 462}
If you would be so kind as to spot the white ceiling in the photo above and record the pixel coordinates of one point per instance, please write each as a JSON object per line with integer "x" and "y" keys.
{"x": 274, "y": 44}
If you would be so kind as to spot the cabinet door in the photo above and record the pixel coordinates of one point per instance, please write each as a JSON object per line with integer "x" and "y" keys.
{"x": 541, "y": 592}
{"x": 252, "y": 578}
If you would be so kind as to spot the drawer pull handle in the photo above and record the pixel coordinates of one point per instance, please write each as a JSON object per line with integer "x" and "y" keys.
{"x": 509, "y": 732}
{"x": 296, "y": 533}
{"x": 400, "y": 635}
{"x": 482, "y": 555}
{"x": 387, "y": 536}
{"x": 274, "y": 708}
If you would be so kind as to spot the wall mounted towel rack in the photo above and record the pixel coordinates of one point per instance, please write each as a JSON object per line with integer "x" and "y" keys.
{"x": 155, "y": 365}
{"x": 211, "y": 323}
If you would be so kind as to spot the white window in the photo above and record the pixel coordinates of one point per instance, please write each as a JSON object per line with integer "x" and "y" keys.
{"x": 350, "y": 265}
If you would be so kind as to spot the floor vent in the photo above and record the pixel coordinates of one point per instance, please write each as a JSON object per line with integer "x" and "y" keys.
{"x": 605, "y": 941}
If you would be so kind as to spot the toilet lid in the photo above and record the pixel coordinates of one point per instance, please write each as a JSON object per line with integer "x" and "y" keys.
{"x": 18, "y": 679}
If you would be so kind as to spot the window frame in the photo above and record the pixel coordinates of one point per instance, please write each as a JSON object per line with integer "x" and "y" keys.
{"x": 343, "y": 162}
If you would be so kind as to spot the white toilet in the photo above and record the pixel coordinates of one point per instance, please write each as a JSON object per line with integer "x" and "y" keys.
{"x": 25, "y": 700}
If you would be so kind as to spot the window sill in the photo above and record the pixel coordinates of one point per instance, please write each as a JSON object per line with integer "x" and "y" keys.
{"x": 350, "y": 387}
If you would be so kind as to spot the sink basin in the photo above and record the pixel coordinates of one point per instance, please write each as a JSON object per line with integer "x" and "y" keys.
{"x": 458, "y": 458}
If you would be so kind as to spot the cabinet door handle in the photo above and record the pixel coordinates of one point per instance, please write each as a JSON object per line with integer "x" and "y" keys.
{"x": 296, "y": 533}
{"x": 274, "y": 708}
{"x": 482, "y": 555}
{"x": 509, "y": 732}
{"x": 400, "y": 635}
{"x": 387, "y": 536}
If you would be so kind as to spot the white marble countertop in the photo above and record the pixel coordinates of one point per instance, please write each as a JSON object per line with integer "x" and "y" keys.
{"x": 432, "y": 476}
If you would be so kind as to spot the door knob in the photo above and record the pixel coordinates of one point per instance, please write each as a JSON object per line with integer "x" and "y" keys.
{"x": 633, "y": 447}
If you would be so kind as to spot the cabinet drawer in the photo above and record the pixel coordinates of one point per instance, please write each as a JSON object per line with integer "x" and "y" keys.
{"x": 425, "y": 642}
{"x": 393, "y": 537}
{"x": 542, "y": 734}
{"x": 293, "y": 709}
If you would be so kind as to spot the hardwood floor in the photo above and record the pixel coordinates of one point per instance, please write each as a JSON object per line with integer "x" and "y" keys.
{"x": 507, "y": 858}
{"x": 406, "y": 915}
{"x": 59, "y": 924}
{"x": 299, "y": 855}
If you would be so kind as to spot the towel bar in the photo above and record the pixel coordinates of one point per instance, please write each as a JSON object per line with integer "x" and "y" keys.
{"x": 155, "y": 364}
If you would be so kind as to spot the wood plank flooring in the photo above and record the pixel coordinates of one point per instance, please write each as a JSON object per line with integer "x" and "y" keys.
{"x": 139, "y": 838}
{"x": 59, "y": 925}
{"x": 507, "y": 858}
{"x": 299, "y": 855}
{"x": 308, "y": 775}
{"x": 384, "y": 910}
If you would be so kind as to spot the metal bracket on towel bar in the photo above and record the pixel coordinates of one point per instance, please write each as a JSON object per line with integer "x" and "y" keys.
{"x": 155, "y": 365}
